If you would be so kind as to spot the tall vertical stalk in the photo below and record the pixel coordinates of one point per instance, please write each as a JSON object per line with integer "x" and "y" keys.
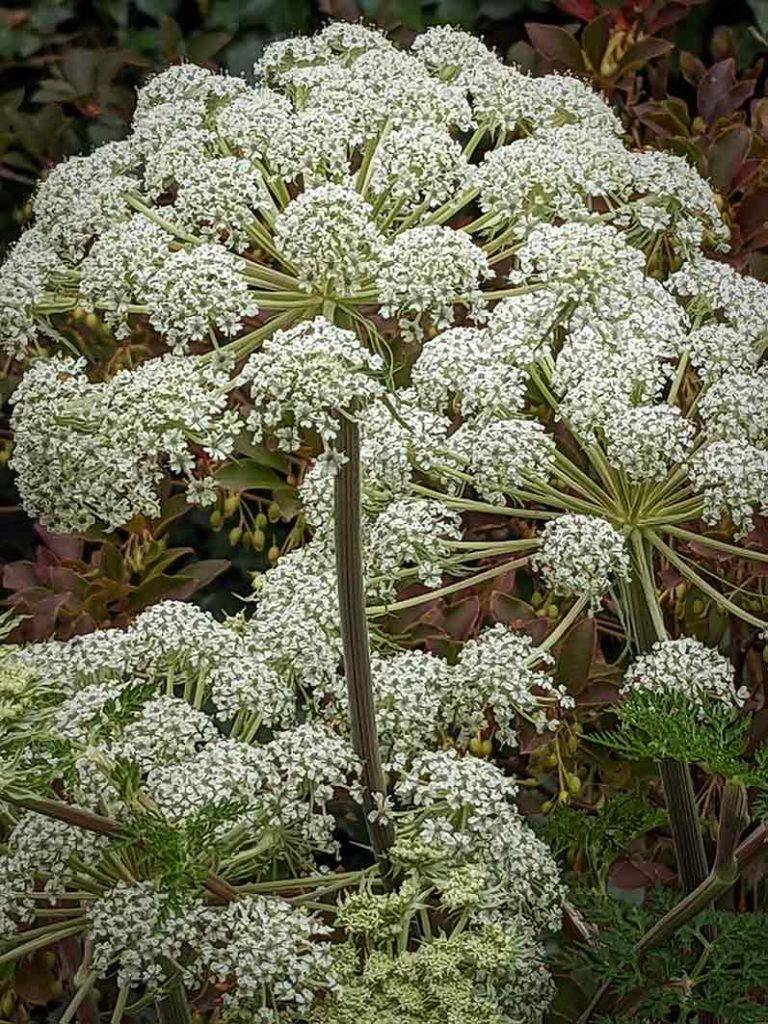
{"x": 174, "y": 1009}
{"x": 648, "y": 626}
{"x": 354, "y": 635}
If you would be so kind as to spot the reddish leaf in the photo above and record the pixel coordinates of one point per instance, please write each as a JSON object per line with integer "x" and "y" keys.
{"x": 728, "y": 152}
{"x": 674, "y": 13}
{"x": 745, "y": 174}
{"x": 66, "y": 546}
{"x": 669, "y": 577}
{"x": 666, "y": 119}
{"x": 43, "y": 624}
{"x": 66, "y": 580}
{"x": 718, "y": 94}
{"x": 574, "y": 659}
{"x": 18, "y": 575}
{"x": 758, "y": 117}
{"x": 530, "y": 739}
{"x": 556, "y": 44}
{"x": 598, "y": 695}
{"x": 627, "y": 875}
{"x": 461, "y": 619}
{"x": 517, "y": 614}
{"x": 752, "y": 214}
{"x": 35, "y": 982}
{"x": 584, "y": 9}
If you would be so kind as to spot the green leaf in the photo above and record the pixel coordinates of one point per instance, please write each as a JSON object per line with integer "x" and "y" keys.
{"x": 249, "y": 475}
{"x": 594, "y": 40}
{"x": 759, "y": 10}
{"x": 111, "y": 563}
{"x": 260, "y": 454}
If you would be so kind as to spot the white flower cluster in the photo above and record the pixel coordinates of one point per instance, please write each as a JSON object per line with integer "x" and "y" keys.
{"x": 496, "y": 669}
{"x": 646, "y": 441}
{"x": 733, "y": 476}
{"x": 170, "y": 641}
{"x": 269, "y": 951}
{"x": 305, "y": 377}
{"x": 686, "y": 667}
{"x": 422, "y": 700}
{"x": 329, "y": 235}
{"x": 88, "y": 453}
{"x": 581, "y": 556}
{"x": 39, "y": 847}
{"x": 411, "y": 532}
{"x": 430, "y": 270}
{"x": 462, "y": 369}
{"x": 502, "y": 455}
{"x": 522, "y": 879}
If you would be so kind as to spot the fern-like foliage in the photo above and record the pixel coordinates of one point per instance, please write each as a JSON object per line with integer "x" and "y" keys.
{"x": 716, "y": 964}
{"x": 602, "y": 836}
{"x": 667, "y": 727}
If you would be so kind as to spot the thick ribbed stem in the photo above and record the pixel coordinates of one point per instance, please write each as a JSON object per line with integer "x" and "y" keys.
{"x": 174, "y": 1009}
{"x": 648, "y": 626}
{"x": 354, "y": 635}
{"x": 692, "y": 864}
{"x": 731, "y": 859}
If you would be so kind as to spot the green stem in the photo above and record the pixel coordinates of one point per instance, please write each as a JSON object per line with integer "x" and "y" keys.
{"x": 749, "y": 554}
{"x": 120, "y": 1003}
{"x": 720, "y": 599}
{"x": 561, "y": 628}
{"x": 470, "y": 581}
{"x": 82, "y": 992}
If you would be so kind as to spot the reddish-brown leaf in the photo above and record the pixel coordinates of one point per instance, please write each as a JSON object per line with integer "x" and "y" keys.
{"x": 719, "y": 94}
{"x": 557, "y": 45}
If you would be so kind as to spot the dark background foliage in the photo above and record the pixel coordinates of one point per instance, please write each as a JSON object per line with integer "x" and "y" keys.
{"x": 687, "y": 75}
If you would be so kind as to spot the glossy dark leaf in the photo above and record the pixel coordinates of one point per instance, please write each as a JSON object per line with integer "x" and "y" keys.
{"x": 557, "y": 45}
{"x": 718, "y": 93}
{"x": 641, "y": 52}
{"x": 728, "y": 152}
{"x": 594, "y": 40}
